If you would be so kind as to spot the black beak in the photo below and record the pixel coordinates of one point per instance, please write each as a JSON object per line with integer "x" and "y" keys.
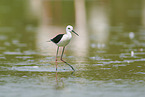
{"x": 75, "y": 32}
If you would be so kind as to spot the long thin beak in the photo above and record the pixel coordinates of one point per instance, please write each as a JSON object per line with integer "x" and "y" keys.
{"x": 75, "y": 32}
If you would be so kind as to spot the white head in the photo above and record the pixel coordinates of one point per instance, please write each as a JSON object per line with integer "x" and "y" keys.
{"x": 69, "y": 28}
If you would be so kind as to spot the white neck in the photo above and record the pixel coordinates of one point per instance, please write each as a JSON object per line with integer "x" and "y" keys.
{"x": 69, "y": 33}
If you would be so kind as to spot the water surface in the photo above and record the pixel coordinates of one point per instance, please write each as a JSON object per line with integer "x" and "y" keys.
{"x": 108, "y": 64}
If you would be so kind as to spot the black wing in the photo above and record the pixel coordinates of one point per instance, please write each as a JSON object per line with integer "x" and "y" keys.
{"x": 57, "y": 38}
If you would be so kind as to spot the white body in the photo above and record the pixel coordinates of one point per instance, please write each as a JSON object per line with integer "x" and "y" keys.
{"x": 65, "y": 39}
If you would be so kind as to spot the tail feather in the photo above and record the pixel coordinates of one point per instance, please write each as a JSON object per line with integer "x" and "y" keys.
{"x": 48, "y": 41}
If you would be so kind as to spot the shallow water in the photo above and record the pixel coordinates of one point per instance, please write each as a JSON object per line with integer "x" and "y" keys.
{"x": 113, "y": 66}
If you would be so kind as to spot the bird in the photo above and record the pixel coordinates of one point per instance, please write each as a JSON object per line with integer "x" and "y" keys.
{"x": 62, "y": 40}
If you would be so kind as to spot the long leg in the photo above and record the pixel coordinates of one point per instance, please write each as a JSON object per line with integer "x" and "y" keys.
{"x": 65, "y": 61}
{"x": 56, "y": 57}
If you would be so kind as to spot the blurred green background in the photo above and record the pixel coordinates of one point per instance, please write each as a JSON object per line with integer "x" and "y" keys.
{"x": 108, "y": 55}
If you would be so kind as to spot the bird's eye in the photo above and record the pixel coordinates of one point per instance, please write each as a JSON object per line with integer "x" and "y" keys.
{"x": 68, "y": 28}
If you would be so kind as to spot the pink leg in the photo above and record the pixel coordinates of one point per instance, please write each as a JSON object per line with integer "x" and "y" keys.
{"x": 65, "y": 61}
{"x": 56, "y": 76}
{"x": 56, "y": 57}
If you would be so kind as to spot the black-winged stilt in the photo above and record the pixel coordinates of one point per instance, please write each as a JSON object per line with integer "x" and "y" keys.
{"x": 61, "y": 40}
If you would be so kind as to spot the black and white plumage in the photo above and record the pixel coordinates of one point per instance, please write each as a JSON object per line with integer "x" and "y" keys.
{"x": 57, "y": 38}
{"x": 61, "y": 40}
